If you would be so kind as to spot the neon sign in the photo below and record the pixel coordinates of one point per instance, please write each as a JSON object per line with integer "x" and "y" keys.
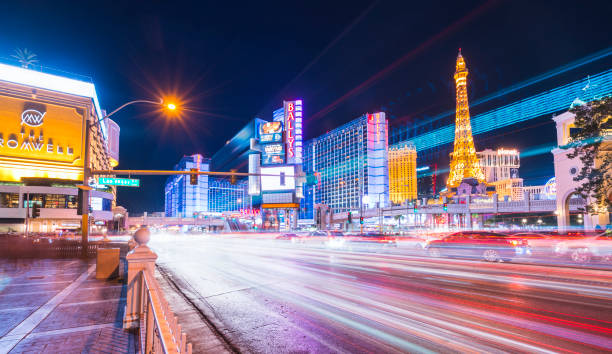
{"x": 293, "y": 131}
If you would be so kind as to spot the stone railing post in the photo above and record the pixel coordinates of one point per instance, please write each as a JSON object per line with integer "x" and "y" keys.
{"x": 141, "y": 258}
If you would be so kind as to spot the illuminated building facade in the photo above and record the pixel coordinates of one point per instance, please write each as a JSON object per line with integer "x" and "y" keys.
{"x": 279, "y": 160}
{"x": 402, "y": 173}
{"x": 224, "y": 196}
{"x": 182, "y": 199}
{"x": 501, "y": 170}
{"x": 210, "y": 194}
{"x": 499, "y": 164}
{"x": 42, "y": 149}
{"x": 464, "y": 162}
{"x": 350, "y": 163}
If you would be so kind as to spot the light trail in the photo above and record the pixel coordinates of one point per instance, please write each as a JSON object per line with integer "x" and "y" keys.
{"x": 547, "y": 102}
{"x": 303, "y": 297}
{"x": 550, "y": 74}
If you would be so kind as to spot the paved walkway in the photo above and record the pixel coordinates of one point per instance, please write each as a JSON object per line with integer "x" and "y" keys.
{"x": 57, "y": 306}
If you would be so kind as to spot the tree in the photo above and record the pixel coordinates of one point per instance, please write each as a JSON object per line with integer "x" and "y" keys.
{"x": 591, "y": 143}
{"x": 25, "y": 57}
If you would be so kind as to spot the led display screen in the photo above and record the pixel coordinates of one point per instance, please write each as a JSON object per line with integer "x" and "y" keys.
{"x": 273, "y": 154}
{"x": 279, "y": 178}
{"x": 271, "y": 132}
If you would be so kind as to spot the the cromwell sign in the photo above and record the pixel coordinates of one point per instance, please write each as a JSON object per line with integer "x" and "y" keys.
{"x": 42, "y": 132}
{"x": 32, "y": 117}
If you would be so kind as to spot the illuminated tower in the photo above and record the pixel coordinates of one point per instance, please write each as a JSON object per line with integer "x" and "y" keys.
{"x": 464, "y": 162}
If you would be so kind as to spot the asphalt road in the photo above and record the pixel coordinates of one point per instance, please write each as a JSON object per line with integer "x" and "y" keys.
{"x": 268, "y": 296}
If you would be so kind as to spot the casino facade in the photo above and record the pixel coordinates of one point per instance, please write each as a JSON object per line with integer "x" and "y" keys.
{"x": 42, "y": 148}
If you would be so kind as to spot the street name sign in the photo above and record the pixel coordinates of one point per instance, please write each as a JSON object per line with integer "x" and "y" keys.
{"x": 113, "y": 181}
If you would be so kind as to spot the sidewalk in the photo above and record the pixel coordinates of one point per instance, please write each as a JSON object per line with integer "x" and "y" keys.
{"x": 57, "y": 306}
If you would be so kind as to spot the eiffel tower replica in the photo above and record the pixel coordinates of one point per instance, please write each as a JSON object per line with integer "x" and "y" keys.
{"x": 464, "y": 165}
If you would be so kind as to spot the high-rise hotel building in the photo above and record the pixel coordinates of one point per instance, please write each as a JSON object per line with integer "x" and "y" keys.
{"x": 402, "y": 172}
{"x": 350, "y": 165}
{"x": 182, "y": 199}
{"x": 209, "y": 195}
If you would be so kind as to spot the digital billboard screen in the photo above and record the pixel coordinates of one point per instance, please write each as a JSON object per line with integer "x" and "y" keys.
{"x": 278, "y": 178}
{"x": 273, "y": 154}
{"x": 270, "y": 132}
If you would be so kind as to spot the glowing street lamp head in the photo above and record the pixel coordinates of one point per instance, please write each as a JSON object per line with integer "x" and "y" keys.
{"x": 171, "y": 106}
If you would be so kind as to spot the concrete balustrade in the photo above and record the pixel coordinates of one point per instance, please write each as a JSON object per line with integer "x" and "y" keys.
{"x": 147, "y": 308}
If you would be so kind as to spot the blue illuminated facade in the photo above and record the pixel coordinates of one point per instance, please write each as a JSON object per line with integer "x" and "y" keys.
{"x": 350, "y": 162}
{"x": 183, "y": 199}
{"x": 224, "y": 196}
{"x": 211, "y": 194}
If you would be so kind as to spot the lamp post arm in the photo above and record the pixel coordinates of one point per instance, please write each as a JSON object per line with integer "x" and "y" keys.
{"x": 128, "y": 104}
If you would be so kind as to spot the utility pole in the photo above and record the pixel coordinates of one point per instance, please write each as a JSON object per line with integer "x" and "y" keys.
{"x": 27, "y": 216}
{"x": 85, "y": 203}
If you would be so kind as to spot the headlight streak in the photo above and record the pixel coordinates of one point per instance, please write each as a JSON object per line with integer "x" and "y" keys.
{"x": 395, "y": 299}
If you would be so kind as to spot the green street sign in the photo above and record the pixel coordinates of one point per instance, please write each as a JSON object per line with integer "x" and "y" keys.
{"x": 113, "y": 181}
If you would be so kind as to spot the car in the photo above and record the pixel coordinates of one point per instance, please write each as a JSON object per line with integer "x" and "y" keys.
{"x": 411, "y": 242}
{"x": 489, "y": 246}
{"x": 369, "y": 241}
{"x": 587, "y": 249}
{"x": 544, "y": 243}
{"x": 294, "y": 238}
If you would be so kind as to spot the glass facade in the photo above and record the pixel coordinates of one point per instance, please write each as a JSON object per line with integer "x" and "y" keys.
{"x": 211, "y": 194}
{"x": 183, "y": 199}
{"x": 402, "y": 173}
{"x": 9, "y": 200}
{"x": 54, "y": 201}
{"x": 349, "y": 162}
{"x": 224, "y": 196}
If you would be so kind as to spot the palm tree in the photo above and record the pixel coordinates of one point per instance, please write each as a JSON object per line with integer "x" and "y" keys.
{"x": 25, "y": 57}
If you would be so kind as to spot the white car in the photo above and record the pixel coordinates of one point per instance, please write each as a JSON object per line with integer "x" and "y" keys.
{"x": 585, "y": 250}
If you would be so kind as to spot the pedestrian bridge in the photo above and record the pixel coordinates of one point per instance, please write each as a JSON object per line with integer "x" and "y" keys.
{"x": 159, "y": 221}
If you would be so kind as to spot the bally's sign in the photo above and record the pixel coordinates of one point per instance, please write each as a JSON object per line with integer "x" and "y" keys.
{"x": 40, "y": 131}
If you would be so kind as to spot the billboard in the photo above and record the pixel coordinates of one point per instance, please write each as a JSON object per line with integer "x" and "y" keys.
{"x": 277, "y": 178}
{"x": 293, "y": 131}
{"x": 39, "y": 139}
{"x": 273, "y": 154}
{"x": 270, "y": 132}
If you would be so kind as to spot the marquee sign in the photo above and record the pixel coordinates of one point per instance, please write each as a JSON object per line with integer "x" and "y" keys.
{"x": 293, "y": 131}
{"x": 38, "y": 134}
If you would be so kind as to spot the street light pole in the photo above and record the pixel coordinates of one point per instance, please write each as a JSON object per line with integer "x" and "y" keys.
{"x": 87, "y": 168}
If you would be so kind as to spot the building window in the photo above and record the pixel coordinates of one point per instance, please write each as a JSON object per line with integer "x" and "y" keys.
{"x": 9, "y": 200}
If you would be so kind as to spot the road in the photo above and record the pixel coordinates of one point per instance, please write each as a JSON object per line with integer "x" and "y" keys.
{"x": 270, "y": 296}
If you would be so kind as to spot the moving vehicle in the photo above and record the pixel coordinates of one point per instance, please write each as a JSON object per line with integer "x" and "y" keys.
{"x": 294, "y": 238}
{"x": 588, "y": 249}
{"x": 370, "y": 241}
{"x": 490, "y": 246}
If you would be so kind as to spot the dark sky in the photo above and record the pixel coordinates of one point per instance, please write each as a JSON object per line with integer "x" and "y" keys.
{"x": 232, "y": 61}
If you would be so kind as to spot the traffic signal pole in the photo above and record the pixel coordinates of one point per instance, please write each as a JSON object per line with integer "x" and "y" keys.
{"x": 27, "y": 216}
{"x": 85, "y": 204}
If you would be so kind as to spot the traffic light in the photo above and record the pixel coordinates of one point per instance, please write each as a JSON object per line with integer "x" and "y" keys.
{"x": 414, "y": 208}
{"x": 193, "y": 178}
{"x": 445, "y": 206}
{"x": 361, "y": 220}
{"x": 350, "y": 217}
{"x": 35, "y": 211}
{"x": 233, "y": 176}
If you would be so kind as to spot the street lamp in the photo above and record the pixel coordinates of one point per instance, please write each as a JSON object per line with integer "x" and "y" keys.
{"x": 87, "y": 169}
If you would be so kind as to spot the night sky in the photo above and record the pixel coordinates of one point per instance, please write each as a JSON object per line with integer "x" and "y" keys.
{"x": 229, "y": 62}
